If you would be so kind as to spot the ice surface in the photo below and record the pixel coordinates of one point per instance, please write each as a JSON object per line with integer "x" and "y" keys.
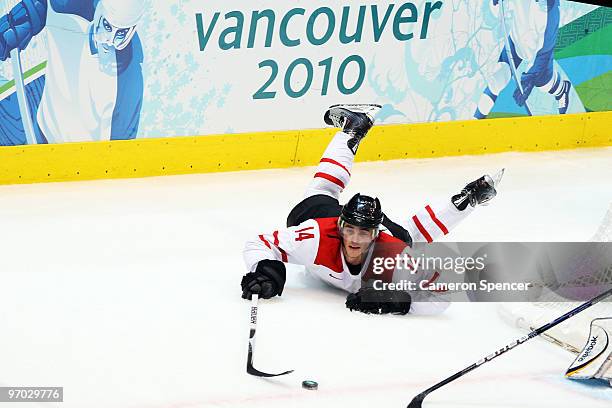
{"x": 126, "y": 292}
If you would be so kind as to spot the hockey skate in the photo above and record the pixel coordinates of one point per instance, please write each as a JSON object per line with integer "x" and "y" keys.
{"x": 354, "y": 120}
{"x": 563, "y": 97}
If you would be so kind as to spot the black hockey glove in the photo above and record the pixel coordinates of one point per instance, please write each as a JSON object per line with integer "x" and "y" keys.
{"x": 369, "y": 300}
{"x": 267, "y": 281}
{"x": 477, "y": 192}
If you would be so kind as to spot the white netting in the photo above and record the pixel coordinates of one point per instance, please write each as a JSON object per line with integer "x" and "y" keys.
{"x": 571, "y": 334}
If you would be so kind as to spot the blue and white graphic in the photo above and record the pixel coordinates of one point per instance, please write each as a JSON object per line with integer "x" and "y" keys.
{"x": 92, "y": 87}
{"x": 443, "y": 78}
{"x": 229, "y": 66}
{"x": 524, "y": 40}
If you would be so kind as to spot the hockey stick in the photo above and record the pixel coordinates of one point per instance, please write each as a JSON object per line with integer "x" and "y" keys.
{"x": 22, "y": 100}
{"x": 250, "y": 369}
{"x": 509, "y": 54}
{"x": 417, "y": 402}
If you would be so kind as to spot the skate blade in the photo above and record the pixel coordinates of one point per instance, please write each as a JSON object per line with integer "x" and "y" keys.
{"x": 497, "y": 177}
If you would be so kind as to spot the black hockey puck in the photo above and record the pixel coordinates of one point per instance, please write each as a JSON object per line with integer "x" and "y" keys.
{"x": 310, "y": 385}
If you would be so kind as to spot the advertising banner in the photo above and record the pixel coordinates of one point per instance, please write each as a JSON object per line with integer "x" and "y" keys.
{"x": 92, "y": 70}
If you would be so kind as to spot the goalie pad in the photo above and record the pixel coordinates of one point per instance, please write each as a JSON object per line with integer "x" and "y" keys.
{"x": 595, "y": 359}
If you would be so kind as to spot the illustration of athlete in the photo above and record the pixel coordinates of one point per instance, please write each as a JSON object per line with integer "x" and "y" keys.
{"x": 93, "y": 87}
{"x": 526, "y": 41}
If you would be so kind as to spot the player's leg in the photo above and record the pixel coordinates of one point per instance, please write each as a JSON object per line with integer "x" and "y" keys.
{"x": 333, "y": 173}
{"x": 498, "y": 81}
{"x": 547, "y": 77}
{"x": 556, "y": 86}
{"x": 334, "y": 170}
{"x": 495, "y": 85}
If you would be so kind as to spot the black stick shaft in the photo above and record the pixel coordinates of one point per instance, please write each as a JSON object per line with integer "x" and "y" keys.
{"x": 251, "y": 352}
{"x": 252, "y": 330}
{"x": 416, "y": 402}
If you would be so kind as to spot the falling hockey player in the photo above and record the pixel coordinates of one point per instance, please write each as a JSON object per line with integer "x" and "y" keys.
{"x": 522, "y": 42}
{"x": 93, "y": 82}
{"x": 335, "y": 243}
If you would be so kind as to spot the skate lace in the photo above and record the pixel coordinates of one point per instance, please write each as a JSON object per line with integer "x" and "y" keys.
{"x": 338, "y": 120}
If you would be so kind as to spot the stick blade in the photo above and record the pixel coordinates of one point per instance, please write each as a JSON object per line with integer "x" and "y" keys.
{"x": 253, "y": 371}
{"x": 417, "y": 402}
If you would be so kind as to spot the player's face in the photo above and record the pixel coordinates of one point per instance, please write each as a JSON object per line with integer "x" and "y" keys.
{"x": 108, "y": 36}
{"x": 355, "y": 241}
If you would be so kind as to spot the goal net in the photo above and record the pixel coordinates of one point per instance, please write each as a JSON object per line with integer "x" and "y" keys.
{"x": 573, "y": 333}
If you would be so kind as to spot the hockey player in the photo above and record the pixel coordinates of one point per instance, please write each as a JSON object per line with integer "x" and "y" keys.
{"x": 336, "y": 243}
{"x": 525, "y": 43}
{"x": 93, "y": 82}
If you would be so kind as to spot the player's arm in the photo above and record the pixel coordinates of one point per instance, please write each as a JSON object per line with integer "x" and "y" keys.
{"x": 436, "y": 220}
{"x": 23, "y": 22}
{"x": 265, "y": 257}
{"x": 130, "y": 90}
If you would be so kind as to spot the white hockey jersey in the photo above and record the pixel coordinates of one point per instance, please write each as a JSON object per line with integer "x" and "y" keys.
{"x": 78, "y": 101}
{"x": 316, "y": 244}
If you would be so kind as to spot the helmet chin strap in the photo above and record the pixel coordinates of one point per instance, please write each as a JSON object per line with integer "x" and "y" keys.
{"x": 375, "y": 233}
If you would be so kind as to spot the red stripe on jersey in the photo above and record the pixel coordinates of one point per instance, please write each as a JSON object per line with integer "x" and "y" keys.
{"x": 332, "y": 161}
{"x": 422, "y": 229}
{"x": 436, "y": 220}
{"x": 265, "y": 241}
{"x": 410, "y": 266}
{"x": 330, "y": 178}
{"x": 305, "y": 229}
{"x": 434, "y": 278}
{"x": 276, "y": 242}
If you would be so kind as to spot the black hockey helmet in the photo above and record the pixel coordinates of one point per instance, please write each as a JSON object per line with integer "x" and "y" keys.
{"x": 362, "y": 211}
